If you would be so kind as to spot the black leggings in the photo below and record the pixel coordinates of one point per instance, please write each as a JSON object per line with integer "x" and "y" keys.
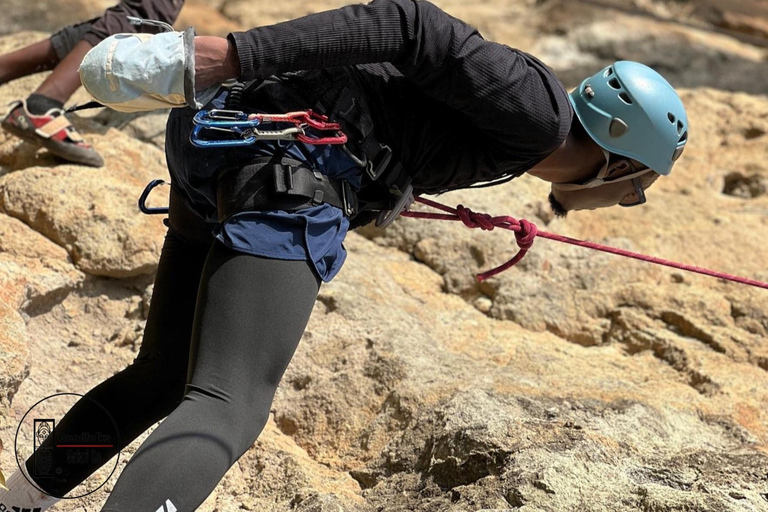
{"x": 221, "y": 330}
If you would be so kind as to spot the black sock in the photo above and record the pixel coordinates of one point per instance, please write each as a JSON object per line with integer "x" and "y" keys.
{"x": 37, "y": 104}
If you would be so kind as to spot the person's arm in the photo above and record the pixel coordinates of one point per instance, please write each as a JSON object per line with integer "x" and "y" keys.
{"x": 511, "y": 97}
{"x": 216, "y": 61}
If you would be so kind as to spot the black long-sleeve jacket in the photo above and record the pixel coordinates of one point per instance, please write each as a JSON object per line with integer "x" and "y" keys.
{"x": 455, "y": 108}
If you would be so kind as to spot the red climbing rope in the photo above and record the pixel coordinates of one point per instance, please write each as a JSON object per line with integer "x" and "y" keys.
{"x": 526, "y": 232}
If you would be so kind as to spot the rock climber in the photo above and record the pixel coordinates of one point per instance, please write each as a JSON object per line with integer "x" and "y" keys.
{"x": 40, "y": 119}
{"x": 427, "y": 105}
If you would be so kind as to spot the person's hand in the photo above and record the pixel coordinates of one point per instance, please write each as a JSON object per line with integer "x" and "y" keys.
{"x": 216, "y": 61}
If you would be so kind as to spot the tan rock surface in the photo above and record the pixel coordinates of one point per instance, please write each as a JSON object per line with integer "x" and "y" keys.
{"x": 579, "y": 37}
{"x": 34, "y": 272}
{"x": 488, "y": 409}
{"x": 740, "y": 18}
{"x": 92, "y": 212}
{"x": 576, "y": 381}
{"x": 244, "y": 12}
{"x": 207, "y": 18}
{"x": 14, "y": 365}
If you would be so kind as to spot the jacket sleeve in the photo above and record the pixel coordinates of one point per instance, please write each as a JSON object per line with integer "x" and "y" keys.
{"x": 513, "y": 99}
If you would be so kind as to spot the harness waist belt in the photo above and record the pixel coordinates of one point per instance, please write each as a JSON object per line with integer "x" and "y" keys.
{"x": 286, "y": 184}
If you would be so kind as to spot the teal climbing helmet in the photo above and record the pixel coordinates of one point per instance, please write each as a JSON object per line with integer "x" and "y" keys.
{"x": 631, "y": 110}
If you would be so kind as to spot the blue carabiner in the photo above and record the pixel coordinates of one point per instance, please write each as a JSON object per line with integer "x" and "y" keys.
{"x": 224, "y": 119}
{"x": 234, "y": 121}
{"x": 199, "y": 141}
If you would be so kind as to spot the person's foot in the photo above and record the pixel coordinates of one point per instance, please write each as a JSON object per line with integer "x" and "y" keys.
{"x": 52, "y": 131}
{"x": 22, "y": 495}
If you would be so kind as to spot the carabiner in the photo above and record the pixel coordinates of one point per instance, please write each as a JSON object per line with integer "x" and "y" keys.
{"x": 224, "y": 118}
{"x": 143, "y": 199}
{"x": 244, "y": 127}
{"x": 196, "y": 139}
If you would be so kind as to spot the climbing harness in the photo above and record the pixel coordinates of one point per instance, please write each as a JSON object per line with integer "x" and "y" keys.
{"x": 290, "y": 185}
{"x": 386, "y": 189}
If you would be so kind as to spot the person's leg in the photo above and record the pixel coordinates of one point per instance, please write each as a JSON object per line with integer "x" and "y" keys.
{"x": 147, "y": 390}
{"x": 250, "y": 316}
{"x": 115, "y": 19}
{"x": 37, "y": 57}
{"x": 38, "y": 119}
{"x": 43, "y": 55}
{"x": 65, "y": 80}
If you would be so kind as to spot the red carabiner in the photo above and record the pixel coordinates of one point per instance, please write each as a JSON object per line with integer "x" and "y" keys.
{"x": 307, "y": 119}
{"x": 339, "y": 138}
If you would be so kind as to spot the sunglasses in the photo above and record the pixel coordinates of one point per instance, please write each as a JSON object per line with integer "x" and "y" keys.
{"x": 637, "y": 182}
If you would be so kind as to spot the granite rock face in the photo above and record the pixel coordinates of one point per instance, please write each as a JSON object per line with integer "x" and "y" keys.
{"x": 575, "y": 381}
{"x": 14, "y": 363}
{"x": 92, "y": 213}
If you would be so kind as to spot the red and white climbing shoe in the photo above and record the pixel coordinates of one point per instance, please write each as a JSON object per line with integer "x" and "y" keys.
{"x": 52, "y": 131}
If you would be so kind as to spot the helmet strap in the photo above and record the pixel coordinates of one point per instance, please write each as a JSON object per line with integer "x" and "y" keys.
{"x": 600, "y": 177}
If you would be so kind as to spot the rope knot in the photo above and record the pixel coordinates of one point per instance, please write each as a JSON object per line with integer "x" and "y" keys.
{"x": 526, "y": 234}
{"x": 475, "y": 220}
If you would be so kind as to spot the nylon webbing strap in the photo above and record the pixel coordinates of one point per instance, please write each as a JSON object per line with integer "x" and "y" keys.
{"x": 52, "y": 127}
{"x": 308, "y": 184}
{"x": 289, "y": 185}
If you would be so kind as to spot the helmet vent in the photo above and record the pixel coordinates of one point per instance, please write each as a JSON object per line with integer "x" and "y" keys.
{"x": 614, "y": 83}
{"x": 608, "y": 72}
{"x": 671, "y": 117}
{"x": 683, "y": 137}
{"x": 679, "y": 126}
{"x": 625, "y": 98}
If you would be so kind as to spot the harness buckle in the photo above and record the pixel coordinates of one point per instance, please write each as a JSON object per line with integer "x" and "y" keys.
{"x": 380, "y": 163}
{"x": 283, "y": 175}
{"x": 349, "y": 198}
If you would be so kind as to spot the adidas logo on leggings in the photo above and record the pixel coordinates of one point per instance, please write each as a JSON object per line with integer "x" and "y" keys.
{"x": 168, "y": 507}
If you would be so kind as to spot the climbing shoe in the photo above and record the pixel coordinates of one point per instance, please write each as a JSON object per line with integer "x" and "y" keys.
{"x": 52, "y": 131}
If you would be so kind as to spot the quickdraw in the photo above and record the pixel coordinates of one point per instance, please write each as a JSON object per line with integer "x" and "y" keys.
{"x": 245, "y": 128}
